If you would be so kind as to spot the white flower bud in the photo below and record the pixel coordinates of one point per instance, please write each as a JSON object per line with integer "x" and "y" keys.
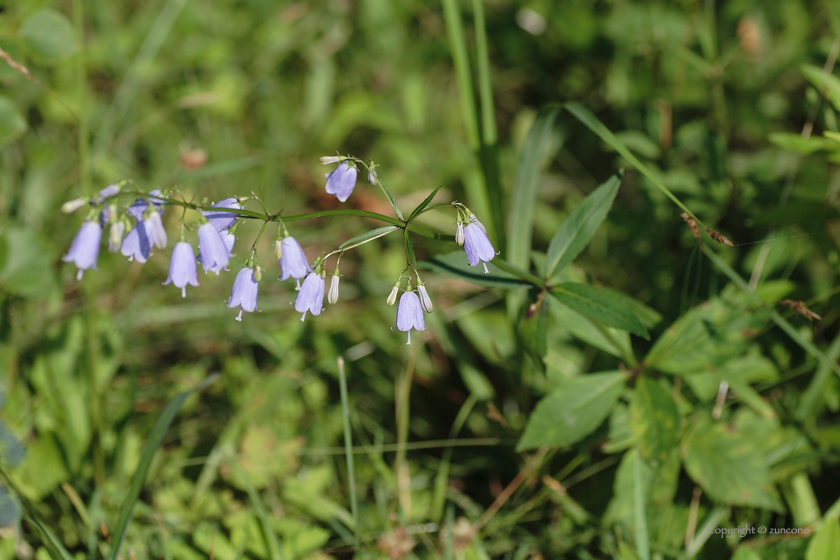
{"x": 425, "y": 300}
{"x": 278, "y": 248}
{"x": 112, "y": 213}
{"x": 72, "y": 205}
{"x": 332, "y": 297}
{"x": 372, "y": 177}
{"x": 257, "y": 273}
{"x": 115, "y": 237}
{"x": 459, "y": 233}
{"x": 326, "y": 160}
{"x": 392, "y": 297}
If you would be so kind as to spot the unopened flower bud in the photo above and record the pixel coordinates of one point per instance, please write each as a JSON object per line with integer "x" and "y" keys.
{"x": 372, "y": 177}
{"x": 115, "y": 237}
{"x": 108, "y": 192}
{"x": 332, "y": 297}
{"x": 392, "y": 297}
{"x": 257, "y": 273}
{"x": 278, "y": 248}
{"x": 326, "y": 160}
{"x": 425, "y": 300}
{"x": 72, "y": 205}
{"x": 459, "y": 233}
{"x": 112, "y": 213}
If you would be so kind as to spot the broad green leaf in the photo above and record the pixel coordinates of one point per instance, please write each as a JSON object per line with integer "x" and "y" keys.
{"x": 455, "y": 264}
{"x": 577, "y": 230}
{"x": 655, "y": 420}
{"x": 524, "y": 196}
{"x": 422, "y": 205}
{"x": 572, "y": 411}
{"x": 825, "y": 544}
{"x": 743, "y": 553}
{"x": 798, "y": 144}
{"x": 49, "y": 34}
{"x": 139, "y": 479}
{"x": 12, "y": 123}
{"x": 824, "y": 82}
{"x": 367, "y": 236}
{"x": 600, "y": 305}
{"x": 584, "y": 329}
{"x": 729, "y": 467}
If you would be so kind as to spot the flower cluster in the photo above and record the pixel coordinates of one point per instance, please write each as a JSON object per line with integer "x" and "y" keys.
{"x": 216, "y": 237}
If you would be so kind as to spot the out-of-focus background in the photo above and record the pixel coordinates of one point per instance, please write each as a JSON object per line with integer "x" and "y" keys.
{"x": 228, "y": 98}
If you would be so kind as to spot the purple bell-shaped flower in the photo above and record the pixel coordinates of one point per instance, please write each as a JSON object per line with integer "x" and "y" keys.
{"x": 477, "y": 244}
{"x": 410, "y": 314}
{"x": 85, "y": 247}
{"x": 342, "y": 180}
{"x": 214, "y": 254}
{"x": 245, "y": 290}
{"x": 182, "y": 268}
{"x": 311, "y": 295}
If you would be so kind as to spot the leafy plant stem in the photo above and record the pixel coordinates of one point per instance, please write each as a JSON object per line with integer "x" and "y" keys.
{"x": 348, "y": 452}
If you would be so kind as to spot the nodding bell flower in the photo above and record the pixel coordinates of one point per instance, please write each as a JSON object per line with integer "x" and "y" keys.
{"x": 115, "y": 237}
{"x": 139, "y": 207}
{"x": 311, "y": 295}
{"x": 212, "y": 249}
{"x": 245, "y": 290}
{"x": 342, "y": 180}
{"x": 154, "y": 227}
{"x": 425, "y": 300}
{"x": 228, "y": 239}
{"x": 182, "y": 268}
{"x": 332, "y": 297}
{"x": 459, "y": 233}
{"x": 223, "y": 220}
{"x": 293, "y": 261}
{"x": 136, "y": 245}
{"x": 107, "y": 192}
{"x": 477, "y": 244}
{"x": 85, "y": 247}
{"x": 410, "y": 314}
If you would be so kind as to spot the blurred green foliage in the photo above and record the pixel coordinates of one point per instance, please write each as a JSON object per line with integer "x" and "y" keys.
{"x": 525, "y": 423}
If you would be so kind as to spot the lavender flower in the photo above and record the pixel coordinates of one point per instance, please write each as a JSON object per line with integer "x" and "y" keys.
{"x": 85, "y": 247}
{"x": 229, "y": 239}
{"x": 214, "y": 254}
{"x": 141, "y": 204}
{"x": 154, "y": 227}
{"x": 244, "y": 293}
{"x": 182, "y": 267}
{"x": 107, "y": 192}
{"x": 342, "y": 180}
{"x": 410, "y": 314}
{"x": 223, "y": 220}
{"x": 311, "y": 295}
{"x": 136, "y": 245}
{"x": 477, "y": 244}
{"x": 292, "y": 260}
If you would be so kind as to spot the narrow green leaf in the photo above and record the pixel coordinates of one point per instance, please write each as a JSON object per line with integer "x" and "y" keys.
{"x": 600, "y": 304}
{"x": 275, "y": 552}
{"x": 524, "y": 197}
{"x": 826, "y": 83}
{"x": 12, "y": 123}
{"x": 795, "y": 143}
{"x": 577, "y": 230}
{"x": 409, "y": 250}
{"x": 596, "y": 126}
{"x": 458, "y": 48}
{"x": 655, "y": 420}
{"x": 572, "y": 411}
{"x": 49, "y": 34}
{"x": 640, "y": 494}
{"x": 139, "y": 478}
{"x": 368, "y": 236}
{"x": 729, "y": 467}
{"x": 485, "y": 88}
{"x": 422, "y": 205}
{"x": 455, "y": 264}
{"x": 390, "y": 196}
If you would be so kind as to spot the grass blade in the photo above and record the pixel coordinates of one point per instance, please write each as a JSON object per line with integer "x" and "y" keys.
{"x": 348, "y": 453}
{"x": 485, "y": 89}
{"x": 274, "y": 550}
{"x": 139, "y": 478}
{"x": 458, "y": 47}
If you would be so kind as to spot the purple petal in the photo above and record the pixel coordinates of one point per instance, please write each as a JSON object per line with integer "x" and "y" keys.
{"x": 136, "y": 245}
{"x": 214, "y": 254}
{"x": 293, "y": 261}
{"x": 311, "y": 295}
{"x": 223, "y": 220}
{"x": 84, "y": 251}
{"x": 342, "y": 181}
{"x": 182, "y": 268}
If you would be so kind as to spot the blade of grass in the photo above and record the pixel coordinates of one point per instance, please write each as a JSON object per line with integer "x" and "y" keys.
{"x": 485, "y": 89}
{"x": 458, "y": 47}
{"x": 348, "y": 452}
{"x": 712, "y": 521}
{"x": 816, "y": 391}
{"x": 139, "y": 478}
{"x": 442, "y": 477}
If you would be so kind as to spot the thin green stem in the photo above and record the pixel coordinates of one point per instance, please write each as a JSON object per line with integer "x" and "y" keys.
{"x": 348, "y": 452}
{"x": 519, "y": 273}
